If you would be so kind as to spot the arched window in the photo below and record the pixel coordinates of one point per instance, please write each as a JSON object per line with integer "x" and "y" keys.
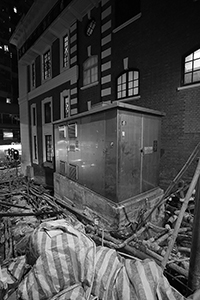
{"x": 90, "y": 70}
{"x": 192, "y": 68}
{"x": 128, "y": 84}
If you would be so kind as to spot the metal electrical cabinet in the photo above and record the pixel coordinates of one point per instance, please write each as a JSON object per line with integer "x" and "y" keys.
{"x": 113, "y": 150}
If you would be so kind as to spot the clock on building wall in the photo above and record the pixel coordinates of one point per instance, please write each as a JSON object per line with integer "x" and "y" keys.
{"x": 90, "y": 27}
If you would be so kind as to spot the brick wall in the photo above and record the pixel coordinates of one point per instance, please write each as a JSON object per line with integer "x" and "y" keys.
{"x": 155, "y": 44}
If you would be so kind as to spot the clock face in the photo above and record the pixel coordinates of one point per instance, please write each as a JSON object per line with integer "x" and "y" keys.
{"x": 90, "y": 27}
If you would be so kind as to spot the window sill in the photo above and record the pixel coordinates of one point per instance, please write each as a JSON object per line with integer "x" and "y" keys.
{"x": 48, "y": 164}
{"x": 63, "y": 69}
{"x": 186, "y": 87}
{"x": 127, "y": 23}
{"x": 128, "y": 99}
{"x": 46, "y": 79}
{"x": 89, "y": 85}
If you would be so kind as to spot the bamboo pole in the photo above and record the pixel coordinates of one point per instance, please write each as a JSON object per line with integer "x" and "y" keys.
{"x": 24, "y": 214}
{"x": 180, "y": 217}
{"x": 3, "y": 203}
{"x": 173, "y": 183}
{"x": 194, "y": 268}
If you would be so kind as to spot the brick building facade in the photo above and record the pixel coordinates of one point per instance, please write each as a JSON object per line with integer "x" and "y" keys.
{"x": 74, "y": 55}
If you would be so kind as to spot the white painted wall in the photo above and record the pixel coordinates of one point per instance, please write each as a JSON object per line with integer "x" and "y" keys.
{"x": 24, "y": 120}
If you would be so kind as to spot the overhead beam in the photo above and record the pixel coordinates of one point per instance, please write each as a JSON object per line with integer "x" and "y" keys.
{"x": 75, "y": 13}
{"x": 94, "y": 2}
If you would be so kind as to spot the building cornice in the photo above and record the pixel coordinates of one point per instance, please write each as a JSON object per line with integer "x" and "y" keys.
{"x": 30, "y": 21}
{"x": 33, "y": 34}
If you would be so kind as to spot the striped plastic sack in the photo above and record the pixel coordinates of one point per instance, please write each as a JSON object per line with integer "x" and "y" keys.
{"x": 69, "y": 267}
{"x": 64, "y": 257}
{"x": 107, "y": 268}
{"x": 74, "y": 292}
{"x": 148, "y": 281}
{"x": 15, "y": 270}
{"x": 117, "y": 278}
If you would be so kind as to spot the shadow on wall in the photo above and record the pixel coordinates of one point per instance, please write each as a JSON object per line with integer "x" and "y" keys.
{"x": 42, "y": 175}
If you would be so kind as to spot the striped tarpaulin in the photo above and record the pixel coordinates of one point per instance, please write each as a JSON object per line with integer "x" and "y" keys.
{"x": 64, "y": 257}
{"x": 68, "y": 266}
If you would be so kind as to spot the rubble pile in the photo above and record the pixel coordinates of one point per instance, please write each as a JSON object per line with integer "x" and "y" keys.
{"x": 62, "y": 262}
{"x": 25, "y": 207}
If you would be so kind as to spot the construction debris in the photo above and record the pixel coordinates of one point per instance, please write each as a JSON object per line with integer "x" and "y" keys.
{"x": 66, "y": 264}
{"x": 28, "y": 210}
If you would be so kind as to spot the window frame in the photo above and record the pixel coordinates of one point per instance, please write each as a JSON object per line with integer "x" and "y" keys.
{"x": 33, "y": 75}
{"x": 44, "y": 77}
{"x": 62, "y": 36}
{"x": 66, "y": 114}
{"x": 47, "y": 129}
{"x": 64, "y": 63}
{"x": 193, "y": 70}
{"x": 88, "y": 69}
{"x": 35, "y": 148}
{"x": 33, "y": 114}
{"x": 48, "y": 152}
{"x": 127, "y": 88}
{"x": 64, "y": 94}
{"x": 47, "y": 109}
{"x": 34, "y": 137}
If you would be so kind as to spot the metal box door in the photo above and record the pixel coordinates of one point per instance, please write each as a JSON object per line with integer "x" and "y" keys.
{"x": 150, "y": 152}
{"x": 129, "y": 155}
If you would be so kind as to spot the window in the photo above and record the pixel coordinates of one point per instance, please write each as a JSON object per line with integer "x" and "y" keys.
{"x": 66, "y": 51}
{"x": 47, "y": 132}
{"x": 34, "y": 133}
{"x": 6, "y": 49}
{"x": 35, "y": 146}
{"x": 66, "y": 106}
{"x": 72, "y": 130}
{"x": 15, "y": 119}
{"x": 126, "y": 10}
{"x": 62, "y": 167}
{"x": 7, "y": 119}
{"x": 62, "y": 132}
{"x": 7, "y": 135}
{"x": 48, "y": 147}
{"x": 128, "y": 84}
{"x": 47, "y": 112}
{"x": 90, "y": 27}
{"x": 73, "y": 172}
{"x": 90, "y": 70}
{"x": 34, "y": 115}
{"x": 192, "y": 68}
{"x": 47, "y": 65}
{"x": 33, "y": 74}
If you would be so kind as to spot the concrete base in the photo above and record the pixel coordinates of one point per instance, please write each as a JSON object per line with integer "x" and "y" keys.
{"x": 103, "y": 209}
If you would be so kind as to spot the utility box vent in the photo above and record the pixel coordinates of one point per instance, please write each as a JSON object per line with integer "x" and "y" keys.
{"x": 72, "y": 148}
{"x": 72, "y": 131}
{"x": 62, "y": 167}
{"x": 73, "y": 174}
